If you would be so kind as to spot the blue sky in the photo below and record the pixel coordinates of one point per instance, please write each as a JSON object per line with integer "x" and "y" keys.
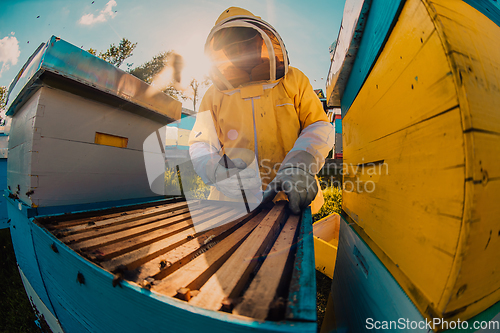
{"x": 307, "y": 28}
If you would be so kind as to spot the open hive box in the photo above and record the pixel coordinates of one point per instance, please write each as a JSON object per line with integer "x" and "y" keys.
{"x": 257, "y": 265}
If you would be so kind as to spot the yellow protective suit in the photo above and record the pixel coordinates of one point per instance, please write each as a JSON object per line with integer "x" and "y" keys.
{"x": 259, "y": 115}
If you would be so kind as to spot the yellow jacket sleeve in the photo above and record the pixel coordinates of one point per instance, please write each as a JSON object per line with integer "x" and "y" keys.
{"x": 307, "y": 104}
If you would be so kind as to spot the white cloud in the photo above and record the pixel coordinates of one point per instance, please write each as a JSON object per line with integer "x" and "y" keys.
{"x": 9, "y": 53}
{"x": 107, "y": 12}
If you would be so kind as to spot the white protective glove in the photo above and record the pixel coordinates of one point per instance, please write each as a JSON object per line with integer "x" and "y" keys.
{"x": 297, "y": 181}
{"x": 231, "y": 180}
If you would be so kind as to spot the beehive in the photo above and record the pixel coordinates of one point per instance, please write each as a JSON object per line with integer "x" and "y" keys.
{"x": 252, "y": 265}
{"x": 79, "y": 125}
{"x": 421, "y": 148}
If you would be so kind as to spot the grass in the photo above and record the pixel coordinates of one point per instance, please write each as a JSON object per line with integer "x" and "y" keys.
{"x": 16, "y": 314}
{"x": 323, "y": 286}
{"x": 333, "y": 203}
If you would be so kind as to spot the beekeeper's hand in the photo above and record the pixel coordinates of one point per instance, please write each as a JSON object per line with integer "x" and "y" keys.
{"x": 226, "y": 179}
{"x": 295, "y": 179}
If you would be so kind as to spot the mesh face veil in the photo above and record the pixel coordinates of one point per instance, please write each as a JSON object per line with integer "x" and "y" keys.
{"x": 244, "y": 49}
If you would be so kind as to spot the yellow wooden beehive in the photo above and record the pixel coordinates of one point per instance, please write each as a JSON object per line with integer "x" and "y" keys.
{"x": 422, "y": 153}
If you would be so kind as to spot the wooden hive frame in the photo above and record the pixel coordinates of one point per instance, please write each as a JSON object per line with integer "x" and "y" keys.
{"x": 251, "y": 266}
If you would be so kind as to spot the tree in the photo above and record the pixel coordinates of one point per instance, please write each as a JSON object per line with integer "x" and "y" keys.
{"x": 92, "y": 51}
{"x": 163, "y": 70}
{"x": 3, "y": 98}
{"x": 3, "y": 102}
{"x": 174, "y": 93}
{"x": 116, "y": 55}
{"x": 196, "y": 85}
{"x": 147, "y": 71}
{"x": 150, "y": 70}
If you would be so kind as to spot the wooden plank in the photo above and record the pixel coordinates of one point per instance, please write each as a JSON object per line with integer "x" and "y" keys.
{"x": 230, "y": 279}
{"x": 81, "y": 221}
{"x": 171, "y": 224}
{"x": 149, "y": 242}
{"x": 98, "y": 222}
{"x": 196, "y": 272}
{"x": 475, "y": 58}
{"x": 431, "y": 227}
{"x": 302, "y": 294}
{"x": 263, "y": 288}
{"x": 471, "y": 40}
{"x": 76, "y": 223}
{"x": 471, "y": 44}
{"x": 122, "y": 226}
{"x": 414, "y": 68}
{"x": 489, "y": 8}
{"x": 150, "y": 262}
{"x": 477, "y": 285}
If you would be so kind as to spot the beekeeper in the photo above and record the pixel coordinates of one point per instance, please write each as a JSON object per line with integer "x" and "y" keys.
{"x": 261, "y": 114}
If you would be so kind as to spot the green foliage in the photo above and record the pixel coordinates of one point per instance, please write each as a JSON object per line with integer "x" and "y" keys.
{"x": 189, "y": 182}
{"x": 329, "y": 180}
{"x": 116, "y": 55}
{"x": 148, "y": 70}
{"x": 92, "y": 51}
{"x": 174, "y": 93}
{"x": 3, "y": 98}
{"x": 333, "y": 203}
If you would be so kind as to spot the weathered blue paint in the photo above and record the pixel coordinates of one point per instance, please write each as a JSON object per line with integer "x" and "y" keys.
{"x": 41, "y": 311}
{"x": 490, "y": 9}
{"x": 68, "y": 61}
{"x": 4, "y": 219}
{"x": 187, "y": 121}
{"x": 171, "y": 148}
{"x": 79, "y": 208}
{"x": 363, "y": 288}
{"x": 20, "y": 231}
{"x": 381, "y": 19}
{"x": 338, "y": 126}
{"x": 96, "y": 306}
{"x": 28, "y": 74}
{"x": 302, "y": 295}
{"x": 490, "y": 314}
{"x": 347, "y": 44}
